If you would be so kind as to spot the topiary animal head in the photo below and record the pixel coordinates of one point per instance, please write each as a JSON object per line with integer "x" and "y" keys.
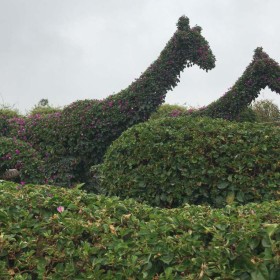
{"x": 267, "y": 69}
{"x": 198, "y": 50}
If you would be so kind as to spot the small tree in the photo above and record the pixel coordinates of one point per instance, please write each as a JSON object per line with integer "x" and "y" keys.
{"x": 43, "y": 107}
{"x": 266, "y": 111}
{"x": 43, "y": 103}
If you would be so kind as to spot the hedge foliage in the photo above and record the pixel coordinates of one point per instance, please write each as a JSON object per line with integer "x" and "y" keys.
{"x": 168, "y": 110}
{"x": 5, "y": 115}
{"x": 263, "y": 71}
{"x": 57, "y": 233}
{"x": 16, "y": 154}
{"x": 84, "y": 129}
{"x": 172, "y": 161}
{"x": 44, "y": 110}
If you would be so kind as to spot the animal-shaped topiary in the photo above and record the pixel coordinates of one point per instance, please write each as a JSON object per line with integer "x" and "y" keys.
{"x": 83, "y": 130}
{"x": 263, "y": 71}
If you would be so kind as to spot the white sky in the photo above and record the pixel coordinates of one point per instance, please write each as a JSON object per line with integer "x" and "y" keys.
{"x": 64, "y": 50}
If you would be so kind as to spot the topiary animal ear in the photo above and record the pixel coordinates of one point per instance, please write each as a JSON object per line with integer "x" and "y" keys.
{"x": 183, "y": 23}
{"x": 197, "y": 29}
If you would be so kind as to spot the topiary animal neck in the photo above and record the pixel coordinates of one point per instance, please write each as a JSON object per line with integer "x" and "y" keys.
{"x": 263, "y": 71}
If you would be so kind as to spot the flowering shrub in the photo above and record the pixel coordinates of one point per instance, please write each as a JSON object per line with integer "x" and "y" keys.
{"x": 173, "y": 161}
{"x": 17, "y": 128}
{"x": 57, "y": 233}
{"x": 16, "y": 154}
{"x": 5, "y": 115}
{"x": 261, "y": 72}
{"x": 84, "y": 129}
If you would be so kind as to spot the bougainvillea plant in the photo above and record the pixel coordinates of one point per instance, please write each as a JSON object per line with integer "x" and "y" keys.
{"x": 83, "y": 130}
{"x": 19, "y": 155}
{"x": 6, "y": 113}
{"x": 263, "y": 71}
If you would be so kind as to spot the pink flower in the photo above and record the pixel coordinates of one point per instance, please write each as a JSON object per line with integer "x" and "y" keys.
{"x": 60, "y": 209}
{"x": 22, "y": 183}
{"x": 175, "y": 113}
{"x": 17, "y": 152}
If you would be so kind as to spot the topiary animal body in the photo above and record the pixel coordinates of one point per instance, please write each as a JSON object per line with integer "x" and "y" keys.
{"x": 260, "y": 73}
{"x": 84, "y": 129}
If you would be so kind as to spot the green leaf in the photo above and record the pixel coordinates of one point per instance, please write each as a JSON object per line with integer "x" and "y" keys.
{"x": 240, "y": 196}
{"x": 167, "y": 258}
{"x": 222, "y": 185}
{"x": 266, "y": 241}
{"x": 271, "y": 228}
{"x": 78, "y": 186}
{"x": 168, "y": 272}
{"x": 261, "y": 273}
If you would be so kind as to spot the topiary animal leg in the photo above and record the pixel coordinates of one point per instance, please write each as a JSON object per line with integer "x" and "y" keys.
{"x": 263, "y": 71}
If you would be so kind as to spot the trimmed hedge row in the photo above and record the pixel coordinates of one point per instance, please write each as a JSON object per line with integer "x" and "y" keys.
{"x": 57, "y": 233}
{"x": 260, "y": 73}
{"x": 16, "y": 154}
{"x": 172, "y": 161}
{"x": 86, "y": 128}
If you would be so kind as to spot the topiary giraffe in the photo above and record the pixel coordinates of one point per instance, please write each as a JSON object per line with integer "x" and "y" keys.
{"x": 263, "y": 71}
{"x": 78, "y": 137}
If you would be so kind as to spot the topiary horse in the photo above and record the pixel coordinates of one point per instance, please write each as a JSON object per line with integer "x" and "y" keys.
{"x": 260, "y": 73}
{"x": 79, "y": 136}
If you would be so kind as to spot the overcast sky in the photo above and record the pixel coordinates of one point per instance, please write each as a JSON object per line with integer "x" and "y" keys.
{"x": 64, "y": 50}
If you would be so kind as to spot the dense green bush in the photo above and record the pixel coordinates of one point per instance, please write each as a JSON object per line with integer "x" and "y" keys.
{"x": 57, "y": 233}
{"x": 247, "y": 115}
{"x": 59, "y": 165}
{"x": 5, "y": 115}
{"x": 16, "y": 154}
{"x": 44, "y": 110}
{"x": 260, "y": 73}
{"x": 196, "y": 160}
{"x": 85, "y": 129}
{"x": 43, "y": 107}
{"x": 168, "y": 110}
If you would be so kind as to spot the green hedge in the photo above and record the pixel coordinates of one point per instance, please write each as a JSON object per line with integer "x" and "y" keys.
{"x": 16, "y": 154}
{"x": 84, "y": 130}
{"x": 195, "y": 160}
{"x": 57, "y": 233}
